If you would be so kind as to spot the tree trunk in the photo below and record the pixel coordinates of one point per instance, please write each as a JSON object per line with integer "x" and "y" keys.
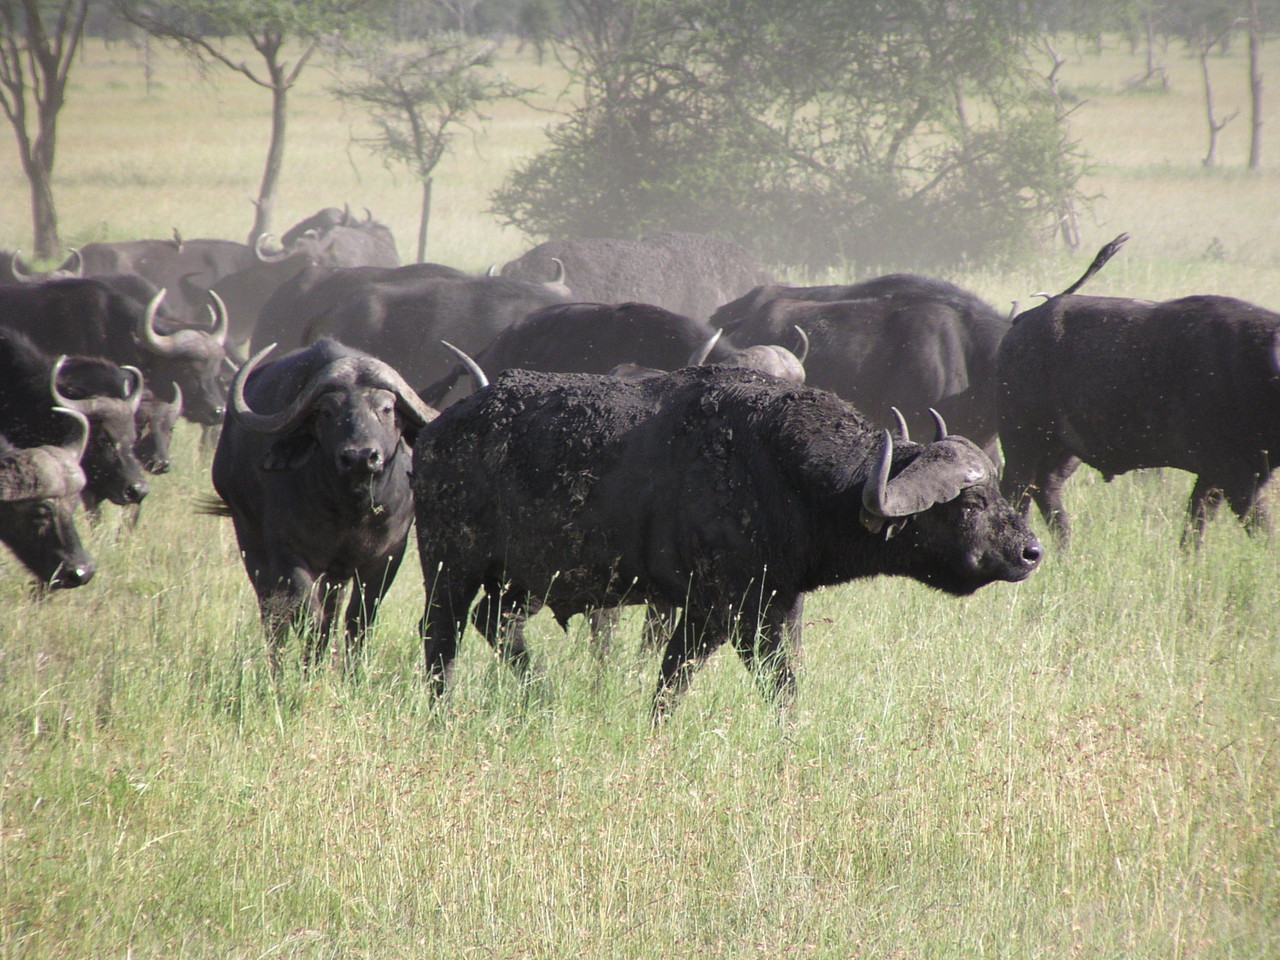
{"x": 44, "y": 216}
{"x": 265, "y": 204}
{"x": 1215, "y": 125}
{"x": 1255, "y": 86}
{"x": 425, "y": 219}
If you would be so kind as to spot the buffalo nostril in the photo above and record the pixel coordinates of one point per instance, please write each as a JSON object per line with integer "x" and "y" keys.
{"x": 1032, "y": 553}
{"x": 74, "y": 576}
{"x": 137, "y": 491}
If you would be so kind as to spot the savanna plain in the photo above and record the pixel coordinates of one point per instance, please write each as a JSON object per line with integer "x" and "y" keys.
{"x": 1082, "y": 765}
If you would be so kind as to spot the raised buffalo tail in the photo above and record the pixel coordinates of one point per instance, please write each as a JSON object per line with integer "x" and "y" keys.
{"x": 1106, "y": 253}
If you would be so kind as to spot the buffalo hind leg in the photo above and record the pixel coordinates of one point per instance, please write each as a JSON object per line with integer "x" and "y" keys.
{"x": 1242, "y": 495}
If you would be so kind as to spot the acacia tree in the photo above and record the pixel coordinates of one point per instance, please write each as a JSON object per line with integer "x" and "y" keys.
{"x": 419, "y": 100}
{"x": 284, "y": 34}
{"x": 37, "y": 46}
{"x": 907, "y": 133}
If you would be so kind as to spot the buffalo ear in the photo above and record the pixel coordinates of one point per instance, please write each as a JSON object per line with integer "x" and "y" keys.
{"x": 289, "y": 453}
{"x": 938, "y": 475}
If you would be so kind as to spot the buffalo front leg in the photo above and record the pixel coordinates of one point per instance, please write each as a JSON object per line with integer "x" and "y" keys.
{"x": 695, "y": 637}
{"x": 500, "y": 617}
{"x": 443, "y": 621}
{"x": 370, "y": 586}
{"x": 765, "y": 641}
{"x": 285, "y": 599}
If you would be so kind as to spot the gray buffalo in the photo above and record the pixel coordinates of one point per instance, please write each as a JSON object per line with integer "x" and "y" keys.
{"x": 39, "y": 490}
{"x": 313, "y": 468}
{"x": 901, "y": 340}
{"x": 722, "y": 491}
{"x": 686, "y": 273}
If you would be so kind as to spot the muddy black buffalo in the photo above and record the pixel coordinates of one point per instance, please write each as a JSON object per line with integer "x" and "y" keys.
{"x": 600, "y": 337}
{"x": 1122, "y": 384}
{"x": 313, "y": 468}
{"x": 722, "y": 491}
{"x": 39, "y": 490}
{"x": 185, "y": 269}
{"x": 902, "y": 341}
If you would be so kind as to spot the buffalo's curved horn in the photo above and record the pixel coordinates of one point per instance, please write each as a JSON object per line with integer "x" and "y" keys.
{"x": 559, "y": 277}
{"x": 155, "y": 342}
{"x": 940, "y": 425}
{"x": 265, "y": 257}
{"x": 218, "y": 314}
{"x": 80, "y": 406}
{"x": 876, "y": 489}
{"x": 368, "y": 217}
{"x": 804, "y": 345}
{"x": 75, "y": 446}
{"x": 492, "y": 271}
{"x": 134, "y": 397}
{"x": 346, "y": 214}
{"x": 16, "y": 270}
{"x": 258, "y": 422}
{"x": 79, "y": 270}
{"x": 175, "y": 405}
{"x": 387, "y": 377}
{"x": 903, "y": 433}
{"x": 699, "y": 356}
{"x": 477, "y": 375}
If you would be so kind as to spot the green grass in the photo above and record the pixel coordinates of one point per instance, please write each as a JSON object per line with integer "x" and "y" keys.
{"x": 1082, "y": 765}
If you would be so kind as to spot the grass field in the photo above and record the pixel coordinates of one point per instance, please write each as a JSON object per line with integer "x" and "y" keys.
{"x": 1083, "y": 765}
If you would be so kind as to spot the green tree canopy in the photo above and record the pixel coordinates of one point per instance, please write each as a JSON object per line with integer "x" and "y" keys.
{"x": 417, "y": 100}
{"x": 912, "y": 133}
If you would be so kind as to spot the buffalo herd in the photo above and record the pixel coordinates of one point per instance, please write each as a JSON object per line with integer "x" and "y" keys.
{"x": 601, "y": 423}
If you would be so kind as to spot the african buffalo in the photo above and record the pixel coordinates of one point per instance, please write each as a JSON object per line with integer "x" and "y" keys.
{"x": 1122, "y": 384}
{"x": 294, "y": 309}
{"x": 687, "y": 273}
{"x": 313, "y": 469}
{"x": 901, "y": 341}
{"x": 722, "y": 491}
{"x": 403, "y": 321}
{"x": 328, "y": 239}
{"x": 39, "y": 489}
{"x": 155, "y": 420}
{"x": 32, "y": 383}
{"x": 185, "y": 269}
{"x": 92, "y": 317}
{"x": 14, "y": 270}
{"x": 598, "y": 337}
